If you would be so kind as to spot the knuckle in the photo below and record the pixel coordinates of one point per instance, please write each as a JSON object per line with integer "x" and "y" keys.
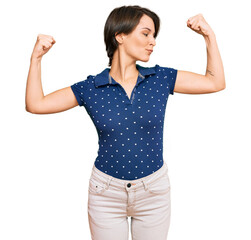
{"x": 40, "y": 36}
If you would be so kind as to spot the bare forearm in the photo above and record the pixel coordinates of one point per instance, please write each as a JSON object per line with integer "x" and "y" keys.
{"x": 34, "y": 90}
{"x": 215, "y": 70}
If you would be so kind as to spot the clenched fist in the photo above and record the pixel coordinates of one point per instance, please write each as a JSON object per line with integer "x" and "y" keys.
{"x": 42, "y": 46}
{"x": 198, "y": 24}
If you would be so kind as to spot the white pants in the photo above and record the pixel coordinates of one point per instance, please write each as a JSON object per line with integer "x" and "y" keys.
{"x": 111, "y": 201}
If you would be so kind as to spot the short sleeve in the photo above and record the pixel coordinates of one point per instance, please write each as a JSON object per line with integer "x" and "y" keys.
{"x": 173, "y": 76}
{"x": 79, "y": 90}
{"x": 170, "y": 74}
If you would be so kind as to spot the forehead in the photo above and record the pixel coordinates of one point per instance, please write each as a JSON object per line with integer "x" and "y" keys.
{"x": 146, "y": 21}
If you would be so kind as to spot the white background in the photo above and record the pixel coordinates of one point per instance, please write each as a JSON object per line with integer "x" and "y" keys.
{"x": 46, "y": 160}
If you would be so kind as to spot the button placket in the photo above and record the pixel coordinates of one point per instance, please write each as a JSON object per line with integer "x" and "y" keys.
{"x": 132, "y": 97}
{"x": 133, "y": 94}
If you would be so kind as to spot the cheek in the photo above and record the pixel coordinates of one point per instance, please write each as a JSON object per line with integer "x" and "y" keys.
{"x": 137, "y": 46}
{"x": 140, "y": 43}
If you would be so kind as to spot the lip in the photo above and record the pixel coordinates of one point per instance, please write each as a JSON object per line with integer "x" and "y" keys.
{"x": 149, "y": 50}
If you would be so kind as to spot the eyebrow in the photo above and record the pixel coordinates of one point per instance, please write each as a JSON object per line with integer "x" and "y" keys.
{"x": 147, "y": 28}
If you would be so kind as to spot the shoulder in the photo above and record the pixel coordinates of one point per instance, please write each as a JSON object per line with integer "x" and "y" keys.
{"x": 166, "y": 72}
{"x": 84, "y": 83}
{"x": 165, "y": 69}
{"x": 158, "y": 69}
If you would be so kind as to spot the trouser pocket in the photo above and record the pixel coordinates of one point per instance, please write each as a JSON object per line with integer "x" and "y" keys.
{"x": 160, "y": 186}
{"x": 96, "y": 186}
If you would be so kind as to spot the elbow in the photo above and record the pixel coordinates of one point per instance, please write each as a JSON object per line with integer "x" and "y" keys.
{"x": 28, "y": 106}
{"x": 223, "y": 85}
{"x": 220, "y": 87}
{"x": 30, "y": 109}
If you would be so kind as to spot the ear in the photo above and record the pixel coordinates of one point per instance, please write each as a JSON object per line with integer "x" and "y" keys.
{"x": 120, "y": 37}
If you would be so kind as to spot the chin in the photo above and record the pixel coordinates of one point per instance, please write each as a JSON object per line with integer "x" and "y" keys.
{"x": 146, "y": 59}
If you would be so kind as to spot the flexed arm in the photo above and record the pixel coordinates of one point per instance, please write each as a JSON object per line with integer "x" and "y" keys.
{"x": 35, "y": 100}
{"x": 214, "y": 79}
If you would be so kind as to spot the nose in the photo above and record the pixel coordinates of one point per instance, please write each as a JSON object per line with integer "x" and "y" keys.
{"x": 153, "y": 41}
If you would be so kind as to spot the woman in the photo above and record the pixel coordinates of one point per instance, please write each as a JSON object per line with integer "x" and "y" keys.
{"x": 127, "y": 105}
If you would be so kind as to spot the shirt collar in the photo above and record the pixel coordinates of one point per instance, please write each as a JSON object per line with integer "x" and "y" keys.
{"x": 104, "y": 78}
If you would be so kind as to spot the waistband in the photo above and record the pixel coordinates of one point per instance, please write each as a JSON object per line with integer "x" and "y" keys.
{"x": 123, "y": 184}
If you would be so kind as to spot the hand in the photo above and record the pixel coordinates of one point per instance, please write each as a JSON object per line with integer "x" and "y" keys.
{"x": 198, "y": 24}
{"x": 42, "y": 46}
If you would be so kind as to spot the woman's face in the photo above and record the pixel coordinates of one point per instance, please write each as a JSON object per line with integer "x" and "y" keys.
{"x": 139, "y": 44}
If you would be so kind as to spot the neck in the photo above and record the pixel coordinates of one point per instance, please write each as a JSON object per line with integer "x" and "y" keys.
{"x": 123, "y": 69}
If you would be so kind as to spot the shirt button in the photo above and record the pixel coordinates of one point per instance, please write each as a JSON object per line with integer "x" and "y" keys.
{"x": 129, "y": 185}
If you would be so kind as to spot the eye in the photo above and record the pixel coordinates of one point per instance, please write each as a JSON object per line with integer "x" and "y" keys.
{"x": 145, "y": 34}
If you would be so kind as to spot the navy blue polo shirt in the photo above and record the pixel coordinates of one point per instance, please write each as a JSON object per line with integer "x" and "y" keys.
{"x": 130, "y": 131}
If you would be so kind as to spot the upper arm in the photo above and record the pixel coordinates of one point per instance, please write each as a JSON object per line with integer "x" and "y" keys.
{"x": 193, "y": 83}
{"x": 57, "y": 101}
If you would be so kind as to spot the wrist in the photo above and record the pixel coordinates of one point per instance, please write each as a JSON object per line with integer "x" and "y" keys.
{"x": 210, "y": 38}
{"x": 35, "y": 59}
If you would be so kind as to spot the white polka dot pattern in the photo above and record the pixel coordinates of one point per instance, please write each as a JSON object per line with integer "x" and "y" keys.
{"x": 130, "y": 130}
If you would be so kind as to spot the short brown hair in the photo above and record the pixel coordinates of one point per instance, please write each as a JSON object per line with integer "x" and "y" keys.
{"x": 124, "y": 20}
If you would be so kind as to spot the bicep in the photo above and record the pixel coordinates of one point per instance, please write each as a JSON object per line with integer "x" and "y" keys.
{"x": 57, "y": 101}
{"x": 193, "y": 83}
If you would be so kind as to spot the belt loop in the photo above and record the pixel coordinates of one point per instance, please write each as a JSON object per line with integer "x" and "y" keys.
{"x": 108, "y": 182}
{"x": 145, "y": 184}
